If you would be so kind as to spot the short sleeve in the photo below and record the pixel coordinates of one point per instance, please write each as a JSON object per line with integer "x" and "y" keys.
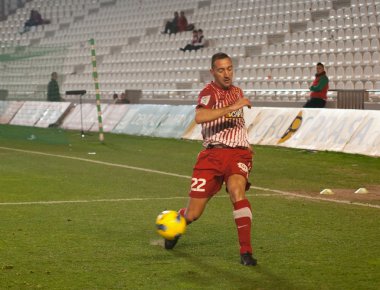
{"x": 206, "y": 99}
{"x": 240, "y": 92}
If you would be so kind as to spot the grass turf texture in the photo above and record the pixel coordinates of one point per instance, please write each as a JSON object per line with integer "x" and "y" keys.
{"x": 300, "y": 244}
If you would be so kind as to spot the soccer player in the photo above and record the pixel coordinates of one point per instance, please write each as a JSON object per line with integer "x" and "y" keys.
{"x": 227, "y": 157}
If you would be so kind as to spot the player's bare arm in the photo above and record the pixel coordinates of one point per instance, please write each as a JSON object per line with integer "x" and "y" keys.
{"x": 206, "y": 115}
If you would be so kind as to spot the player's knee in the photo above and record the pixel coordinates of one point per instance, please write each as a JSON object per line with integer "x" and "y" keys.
{"x": 237, "y": 194}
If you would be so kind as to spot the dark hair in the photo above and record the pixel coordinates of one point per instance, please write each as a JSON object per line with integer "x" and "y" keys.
{"x": 217, "y": 56}
{"x": 321, "y": 64}
{"x": 200, "y": 30}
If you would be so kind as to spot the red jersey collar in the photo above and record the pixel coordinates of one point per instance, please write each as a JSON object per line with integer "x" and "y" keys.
{"x": 221, "y": 89}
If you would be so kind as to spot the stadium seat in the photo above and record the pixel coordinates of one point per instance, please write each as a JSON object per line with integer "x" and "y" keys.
{"x": 376, "y": 71}
{"x": 348, "y": 58}
{"x": 251, "y": 75}
{"x": 340, "y": 46}
{"x": 340, "y": 86}
{"x": 297, "y": 73}
{"x": 349, "y": 73}
{"x": 331, "y": 61}
{"x": 373, "y": 32}
{"x": 306, "y": 73}
{"x": 349, "y": 85}
{"x": 331, "y": 72}
{"x": 375, "y": 58}
{"x": 377, "y": 85}
{"x": 366, "y": 58}
{"x": 358, "y": 58}
{"x": 282, "y": 75}
{"x": 368, "y": 85}
{"x": 375, "y": 44}
{"x": 315, "y": 58}
{"x": 358, "y": 73}
{"x": 367, "y": 72}
{"x": 340, "y": 73}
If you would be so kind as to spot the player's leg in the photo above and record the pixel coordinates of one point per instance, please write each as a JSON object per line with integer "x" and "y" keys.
{"x": 204, "y": 185}
{"x": 192, "y": 212}
{"x": 194, "y": 209}
{"x": 205, "y": 182}
{"x": 242, "y": 214}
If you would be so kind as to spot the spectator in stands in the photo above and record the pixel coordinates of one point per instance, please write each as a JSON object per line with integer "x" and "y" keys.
{"x": 183, "y": 25}
{"x": 35, "y": 19}
{"x": 53, "y": 94}
{"x": 201, "y": 40}
{"x": 319, "y": 88}
{"x": 197, "y": 42}
{"x": 194, "y": 40}
{"x": 124, "y": 99}
{"x": 172, "y": 26}
{"x": 115, "y": 98}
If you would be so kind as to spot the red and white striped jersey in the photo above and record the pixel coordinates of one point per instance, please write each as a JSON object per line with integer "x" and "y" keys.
{"x": 229, "y": 130}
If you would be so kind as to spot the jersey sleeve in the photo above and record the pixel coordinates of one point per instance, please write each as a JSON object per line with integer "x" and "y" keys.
{"x": 206, "y": 99}
{"x": 323, "y": 81}
{"x": 241, "y": 94}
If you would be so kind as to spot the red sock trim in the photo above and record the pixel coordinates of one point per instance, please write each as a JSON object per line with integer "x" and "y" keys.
{"x": 182, "y": 211}
{"x": 242, "y": 214}
{"x": 242, "y": 203}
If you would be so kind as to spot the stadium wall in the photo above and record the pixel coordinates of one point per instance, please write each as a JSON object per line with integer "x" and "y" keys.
{"x": 349, "y": 131}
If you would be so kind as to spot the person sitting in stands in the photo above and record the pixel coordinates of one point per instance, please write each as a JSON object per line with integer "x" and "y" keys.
{"x": 197, "y": 42}
{"x": 124, "y": 99}
{"x": 172, "y": 26}
{"x": 194, "y": 40}
{"x": 115, "y": 98}
{"x": 201, "y": 40}
{"x": 35, "y": 19}
{"x": 183, "y": 25}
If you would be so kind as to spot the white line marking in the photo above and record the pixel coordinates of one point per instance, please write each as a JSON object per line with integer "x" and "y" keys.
{"x": 98, "y": 162}
{"x": 115, "y": 199}
{"x": 89, "y": 200}
{"x": 315, "y": 197}
{"x": 286, "y": 193}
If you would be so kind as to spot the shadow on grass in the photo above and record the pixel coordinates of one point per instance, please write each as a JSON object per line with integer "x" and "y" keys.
{"x": 209, "y": 275}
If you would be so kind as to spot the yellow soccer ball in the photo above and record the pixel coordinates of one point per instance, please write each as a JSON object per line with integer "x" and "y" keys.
{"x": 170, "y": 224}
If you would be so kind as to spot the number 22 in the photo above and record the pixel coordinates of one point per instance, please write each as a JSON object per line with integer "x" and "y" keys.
{"x": 197, "y": 184}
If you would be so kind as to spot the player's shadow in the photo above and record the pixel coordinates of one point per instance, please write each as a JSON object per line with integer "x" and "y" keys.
{"x": 261, "y": 277}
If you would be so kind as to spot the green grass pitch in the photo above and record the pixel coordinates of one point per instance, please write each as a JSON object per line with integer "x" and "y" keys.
{"x": 78, "y": 214}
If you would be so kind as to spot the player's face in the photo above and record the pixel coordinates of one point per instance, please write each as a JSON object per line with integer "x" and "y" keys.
{"x": 222, "y": 72}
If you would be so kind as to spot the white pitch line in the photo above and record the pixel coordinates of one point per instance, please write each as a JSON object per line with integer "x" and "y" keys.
{"x": 164, "y": 173}
{"x": 114, "y": 200}
{"x": 89, "y": 200}
{"x": 97, "y": 162}
{"x": 316, "y": 198}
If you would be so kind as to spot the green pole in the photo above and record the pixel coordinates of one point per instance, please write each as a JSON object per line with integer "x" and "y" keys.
{"x": 97, "y": 92}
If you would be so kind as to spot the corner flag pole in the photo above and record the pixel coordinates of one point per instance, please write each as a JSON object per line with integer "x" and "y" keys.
{"x": 96, "y": 82}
